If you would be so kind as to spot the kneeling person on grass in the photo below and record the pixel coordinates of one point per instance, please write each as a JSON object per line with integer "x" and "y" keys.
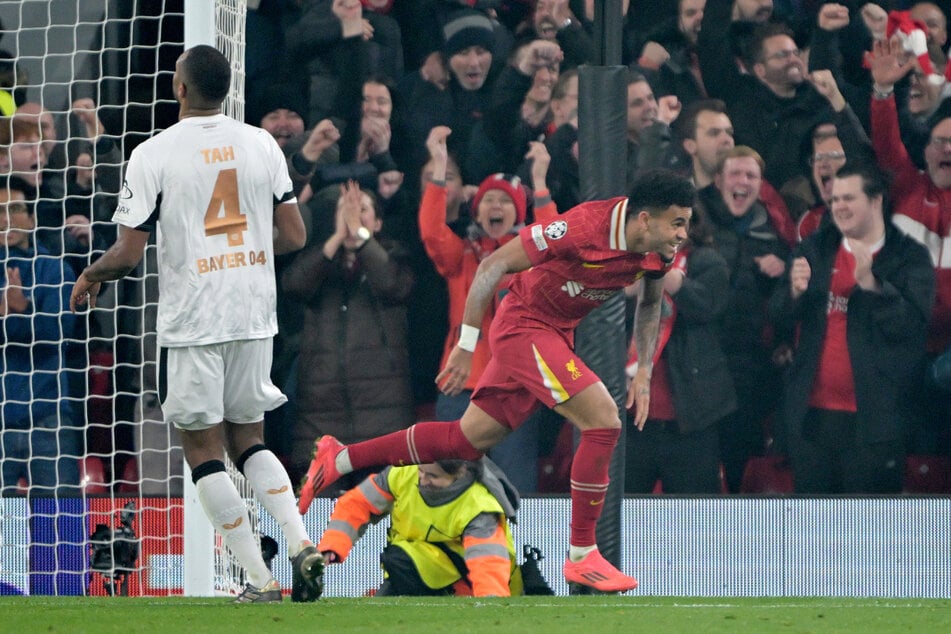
{"x": 449, "y": 531}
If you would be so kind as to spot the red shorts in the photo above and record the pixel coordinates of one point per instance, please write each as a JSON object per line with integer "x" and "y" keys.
{"x": 529, "y": 365}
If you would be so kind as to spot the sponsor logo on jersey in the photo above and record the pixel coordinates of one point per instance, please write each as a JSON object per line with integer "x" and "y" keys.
{"x": 556, "y": 230}
{"x": 123, "y": 210}
{"x": 572, "y": 288}
{"x": 598, "y": 294}
{"x": 538, "y": 238}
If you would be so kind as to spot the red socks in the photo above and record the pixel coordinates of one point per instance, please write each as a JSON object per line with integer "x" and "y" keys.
{"x": 589, "y": 482}
{"x": 419, "y": 444}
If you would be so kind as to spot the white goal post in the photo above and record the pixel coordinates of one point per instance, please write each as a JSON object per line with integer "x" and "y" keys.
{"x": 209, "y": 568}
{"x": 121, "y": 520}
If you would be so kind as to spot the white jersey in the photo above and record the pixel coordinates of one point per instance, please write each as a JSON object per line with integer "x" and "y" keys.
{"x": 211, "y": 184}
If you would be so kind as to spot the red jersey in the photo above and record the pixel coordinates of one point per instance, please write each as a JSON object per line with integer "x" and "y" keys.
{"x": 578, "y": 262}
{"x": 834, "y": 385}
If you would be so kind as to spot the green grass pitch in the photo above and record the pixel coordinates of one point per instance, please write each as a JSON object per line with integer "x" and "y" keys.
{"x": 522, "y": 615}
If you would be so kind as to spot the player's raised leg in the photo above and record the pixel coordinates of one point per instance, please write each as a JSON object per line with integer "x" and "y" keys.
{"x": 595, "y": 414}
{"x": 466, "y": 439}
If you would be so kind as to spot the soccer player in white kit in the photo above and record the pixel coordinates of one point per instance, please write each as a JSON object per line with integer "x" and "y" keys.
{"x": 219, "y": 194}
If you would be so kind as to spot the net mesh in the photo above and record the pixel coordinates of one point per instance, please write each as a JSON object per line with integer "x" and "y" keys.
{"x": 110, "y": 521}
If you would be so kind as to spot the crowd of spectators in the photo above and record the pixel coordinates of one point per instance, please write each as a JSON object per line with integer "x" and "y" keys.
{"x": 424, "y": 103}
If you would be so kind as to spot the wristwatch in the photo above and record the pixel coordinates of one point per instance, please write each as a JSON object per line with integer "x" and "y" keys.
{"x": 363, "y": 233}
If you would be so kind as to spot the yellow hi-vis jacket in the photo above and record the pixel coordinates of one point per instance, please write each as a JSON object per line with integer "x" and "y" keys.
{"x": 459, "y": 525}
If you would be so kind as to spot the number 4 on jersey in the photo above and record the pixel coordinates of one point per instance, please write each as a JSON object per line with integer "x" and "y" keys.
{"x": 233, "y": 222}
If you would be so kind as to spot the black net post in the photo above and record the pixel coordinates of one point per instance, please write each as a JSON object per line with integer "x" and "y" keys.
{"x": 600, "y": 339}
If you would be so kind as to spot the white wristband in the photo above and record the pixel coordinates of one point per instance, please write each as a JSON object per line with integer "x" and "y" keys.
{"x": 468, "y": 337}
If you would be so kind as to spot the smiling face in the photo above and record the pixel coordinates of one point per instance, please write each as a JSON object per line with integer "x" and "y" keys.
{"x": 856, "y": 215}
{"x": 283, "y": 125}
{"x": 938, "y": 154}
{"x": 543, "y": 81}
{"x": 471, "y": 67}
{"x": 739, "y": 182}
{"x": 497, "y": 213}
{"x": 934, "y": 20}
{"x": 662, "y": 233}
{"x": 923, "y": 96}
{"x": 377, "y": 101}
{"x": 641, "y": 107}
{"x": 781, "y": 66}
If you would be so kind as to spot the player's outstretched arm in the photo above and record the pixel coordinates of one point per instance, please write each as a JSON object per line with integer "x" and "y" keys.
{"x": 123, "y": 256}
{"x": 510, "y": 258}
{"x": 646, "y": 327}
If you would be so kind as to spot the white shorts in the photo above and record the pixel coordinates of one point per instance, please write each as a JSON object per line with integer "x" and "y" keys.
{"x": 204, "y": 385}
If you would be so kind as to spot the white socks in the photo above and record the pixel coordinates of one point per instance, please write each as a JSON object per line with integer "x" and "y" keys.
{"x": 272, "y": 487}
{"x": 229, "y": 515}
{"x": 577, "y": 553}
{"x": 342, "y": 462}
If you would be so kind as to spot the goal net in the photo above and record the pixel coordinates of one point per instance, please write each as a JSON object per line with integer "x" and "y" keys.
{"x": 112, "y": 520}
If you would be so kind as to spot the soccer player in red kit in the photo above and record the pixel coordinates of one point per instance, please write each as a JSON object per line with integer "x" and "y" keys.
{"x": 565, "y": 269}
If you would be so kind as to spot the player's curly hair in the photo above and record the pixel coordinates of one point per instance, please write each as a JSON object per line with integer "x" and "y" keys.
{"x": 657, "y": 189}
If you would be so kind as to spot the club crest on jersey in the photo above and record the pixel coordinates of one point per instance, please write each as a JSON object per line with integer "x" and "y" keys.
{"x": 573, "y": 370}
{"x": 556, "y": 230}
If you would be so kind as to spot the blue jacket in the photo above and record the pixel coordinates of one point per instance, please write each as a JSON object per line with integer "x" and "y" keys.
{"x": 32, "y": 344}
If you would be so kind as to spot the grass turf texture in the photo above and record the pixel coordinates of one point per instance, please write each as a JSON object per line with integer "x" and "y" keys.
{"x": 523, "y": 615}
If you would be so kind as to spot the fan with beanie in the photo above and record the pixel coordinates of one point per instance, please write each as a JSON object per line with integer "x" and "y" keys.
{"x": 513, "y": 187}
{"x": 466, "y": 28}
{"x": 275, "y": 97}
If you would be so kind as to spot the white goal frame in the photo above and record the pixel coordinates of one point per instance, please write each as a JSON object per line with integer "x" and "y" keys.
{"x": 209, "y": 568}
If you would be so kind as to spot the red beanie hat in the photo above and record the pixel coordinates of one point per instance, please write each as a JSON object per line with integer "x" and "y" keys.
{"x": 511, "y": 185}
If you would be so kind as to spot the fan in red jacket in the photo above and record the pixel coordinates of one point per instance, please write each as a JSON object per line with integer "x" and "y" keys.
{"x": 499, "y": 208}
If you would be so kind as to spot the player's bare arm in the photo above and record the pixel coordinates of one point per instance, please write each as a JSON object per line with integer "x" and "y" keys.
{"x": 646, "y": 327}
{"x": 121, "y": 258}
{"x": 290, "y": 234}
{"x": 510, "y": 258}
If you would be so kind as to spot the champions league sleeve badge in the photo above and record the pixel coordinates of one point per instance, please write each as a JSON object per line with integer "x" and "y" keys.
{"x": 556, "y": 230}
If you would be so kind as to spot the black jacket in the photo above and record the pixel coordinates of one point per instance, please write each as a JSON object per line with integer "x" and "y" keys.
{"x": 740, "y": 242}
{"x": 772, "y": 125}
{"x": 699, "y": 376}
{"x": 885, "y": 332}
